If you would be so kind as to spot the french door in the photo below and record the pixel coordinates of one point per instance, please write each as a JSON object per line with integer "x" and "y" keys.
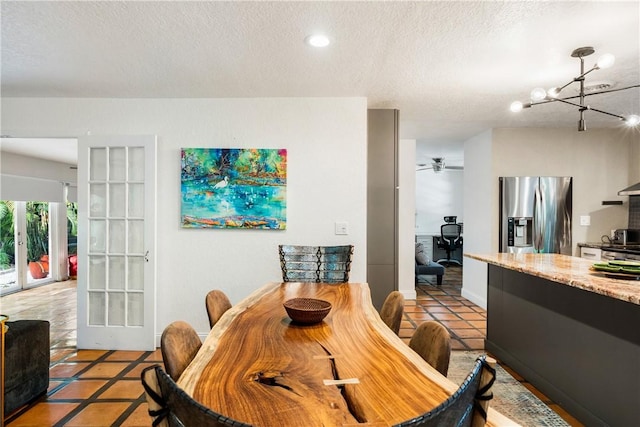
{"x": 116, "y": 243}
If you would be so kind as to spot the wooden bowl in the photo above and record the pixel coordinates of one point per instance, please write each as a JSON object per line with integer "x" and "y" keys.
{"x": 307, "y": 310}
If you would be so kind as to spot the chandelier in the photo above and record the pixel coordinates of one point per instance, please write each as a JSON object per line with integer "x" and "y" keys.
{"x": 541, "y": 96}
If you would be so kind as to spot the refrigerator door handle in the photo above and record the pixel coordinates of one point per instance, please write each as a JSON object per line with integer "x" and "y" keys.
{"x": 537, "y": 220}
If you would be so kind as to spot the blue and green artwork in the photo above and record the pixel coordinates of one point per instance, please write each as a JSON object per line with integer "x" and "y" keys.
{"x": 234, "y": 188}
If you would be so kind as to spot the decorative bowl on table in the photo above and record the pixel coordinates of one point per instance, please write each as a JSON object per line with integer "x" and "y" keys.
{"x": 307, "y": 310}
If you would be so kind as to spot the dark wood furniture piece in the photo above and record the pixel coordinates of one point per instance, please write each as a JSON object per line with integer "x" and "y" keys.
{"x": 25, "y": 362}
{"x": 258, "y": 367}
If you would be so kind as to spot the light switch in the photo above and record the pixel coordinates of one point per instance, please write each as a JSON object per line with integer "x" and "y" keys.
{"x": 342, "y": 228}
{"x": 585, "y": 220}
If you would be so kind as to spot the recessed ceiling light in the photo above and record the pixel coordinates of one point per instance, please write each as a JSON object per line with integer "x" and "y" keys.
{"x": 317, "y": 40}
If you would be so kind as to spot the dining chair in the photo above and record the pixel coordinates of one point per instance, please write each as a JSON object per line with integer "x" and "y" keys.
{"x": 391, "y": 311}
{"x": 217, "y": 304}
{"x": 179, "y": 344}
{"x": 468, "y": 406}
{"x": 432, "y": 342}
{"x": 170, "y": 406}
{"x": 326, "y": 264}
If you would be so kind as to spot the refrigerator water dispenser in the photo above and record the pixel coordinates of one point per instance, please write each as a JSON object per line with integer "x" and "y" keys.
{"x": 520, "y": 232}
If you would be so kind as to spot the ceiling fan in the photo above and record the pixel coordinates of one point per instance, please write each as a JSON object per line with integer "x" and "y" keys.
{"x": 437, "y": 165}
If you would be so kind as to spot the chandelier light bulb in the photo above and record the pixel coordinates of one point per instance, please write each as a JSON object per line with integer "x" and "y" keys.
{"x": 605, "y": 61}
{"x": 516, "y": 106}
{"x": 538, "y": 94}
{"x": 632, "y": 120}
{"x": 553, "y": 92}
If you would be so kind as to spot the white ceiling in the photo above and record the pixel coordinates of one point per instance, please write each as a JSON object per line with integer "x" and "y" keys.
{"x": 451, "y": 68}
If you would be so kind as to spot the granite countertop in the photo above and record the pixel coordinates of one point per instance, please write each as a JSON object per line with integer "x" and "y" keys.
{"x": 567, "y": 270}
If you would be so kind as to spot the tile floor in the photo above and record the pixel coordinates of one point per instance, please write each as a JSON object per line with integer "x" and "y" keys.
{"x": 102, "y": 388}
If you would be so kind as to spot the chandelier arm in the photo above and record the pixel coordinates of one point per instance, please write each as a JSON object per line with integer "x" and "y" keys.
{"x": 583, "y": 108}
{"x": 546, "y": 101}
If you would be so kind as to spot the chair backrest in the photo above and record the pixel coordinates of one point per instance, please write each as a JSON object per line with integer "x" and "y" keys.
{"x": 179, "y": 344}
{"x": 171, "y": 406}
{"x": 467, "y": 407}
{"x": 432, "y": 342}
{"x": 217, "y": 304}
{"x": 451, "y": 234}
{"x": 327, "y": 264}
{"x": 391, "y": 311}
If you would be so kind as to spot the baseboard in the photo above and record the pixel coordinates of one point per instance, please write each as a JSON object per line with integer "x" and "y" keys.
{"x": 479, "y": 300}
{"x": 409, "y": 294}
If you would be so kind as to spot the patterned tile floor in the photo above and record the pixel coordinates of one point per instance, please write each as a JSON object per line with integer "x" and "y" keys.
{"x": 102, "y": 387}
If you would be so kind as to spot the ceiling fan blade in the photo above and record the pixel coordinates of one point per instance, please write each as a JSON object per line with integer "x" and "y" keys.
{"x": 459, "y": 168}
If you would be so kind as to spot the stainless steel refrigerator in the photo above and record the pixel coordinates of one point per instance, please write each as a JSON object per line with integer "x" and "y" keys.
{"x": 535, "y": 214}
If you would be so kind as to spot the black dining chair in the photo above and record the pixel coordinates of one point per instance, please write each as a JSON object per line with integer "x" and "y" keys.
{"x": 171, "y": 406}
{"x": 326, "y": 264}
{"x": 468, "y": 406}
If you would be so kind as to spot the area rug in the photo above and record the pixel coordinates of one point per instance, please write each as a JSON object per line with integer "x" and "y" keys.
{"x": 510, "y": 398}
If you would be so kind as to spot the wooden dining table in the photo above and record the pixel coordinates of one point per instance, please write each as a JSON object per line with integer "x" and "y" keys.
{"x": 259, "y": 367}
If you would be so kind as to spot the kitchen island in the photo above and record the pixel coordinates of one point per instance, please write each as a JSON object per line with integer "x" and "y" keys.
{"x": 571, "y": 332}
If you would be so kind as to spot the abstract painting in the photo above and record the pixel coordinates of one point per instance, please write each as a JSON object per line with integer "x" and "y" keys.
{"x": 234, "y": 188}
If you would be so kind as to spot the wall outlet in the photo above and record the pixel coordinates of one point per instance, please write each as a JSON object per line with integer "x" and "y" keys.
{"x": 585, "y": 220}
{"x": 342, "y": 228}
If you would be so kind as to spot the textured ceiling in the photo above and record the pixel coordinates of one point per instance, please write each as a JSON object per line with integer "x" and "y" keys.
{"x": 451, "y": 68}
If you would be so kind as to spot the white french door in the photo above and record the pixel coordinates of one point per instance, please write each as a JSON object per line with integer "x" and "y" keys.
{"x": 116, "y": 242}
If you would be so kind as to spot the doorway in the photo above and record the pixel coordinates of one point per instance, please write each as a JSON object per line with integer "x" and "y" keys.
{"x": 32, "y": 250}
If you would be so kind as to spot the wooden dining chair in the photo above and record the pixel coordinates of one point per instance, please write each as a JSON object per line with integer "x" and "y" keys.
{"x": 432, "y": 342}
{"x": 468, "y": 406}
{"x": 170, "y": 406}
{"x": 179, "y": 344}
{"x": 217, "y": 304}
{"x": 316, "y": 264}
{"x": 392, "y": 310}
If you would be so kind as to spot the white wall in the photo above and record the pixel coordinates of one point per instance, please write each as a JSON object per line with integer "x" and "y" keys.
{"x": 406, "y": 217}
{"x": 326, "y": 139}
{"x": 599, "y": 160}
{"x": 438, "y": 195}
{"x": 480, "y": 224}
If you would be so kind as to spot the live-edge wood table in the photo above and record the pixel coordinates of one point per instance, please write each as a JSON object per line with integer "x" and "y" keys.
{"x": 258, "y": 367}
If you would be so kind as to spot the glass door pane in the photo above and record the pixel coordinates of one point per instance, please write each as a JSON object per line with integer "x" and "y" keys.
{"x": 8, "y": 276}
{"x": 37, "y": 241}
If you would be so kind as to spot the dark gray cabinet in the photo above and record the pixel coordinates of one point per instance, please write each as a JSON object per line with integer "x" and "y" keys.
{"x": 382, "y": 203}
{"x": 579, "y": 348}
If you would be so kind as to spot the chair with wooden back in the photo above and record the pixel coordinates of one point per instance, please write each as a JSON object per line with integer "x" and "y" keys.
{"x": 316, "y": 264}
{"x": 217, "y": 304}
{"x": 179, "y": 344}
{"x": 468, "y": 406}
{"x": 392, "y": 310}
{"x": 170, "y": 406}
{"x": 432, "y": 342}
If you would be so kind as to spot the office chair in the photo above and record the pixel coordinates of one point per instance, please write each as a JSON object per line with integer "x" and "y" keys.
{"x": 450, "y": 239}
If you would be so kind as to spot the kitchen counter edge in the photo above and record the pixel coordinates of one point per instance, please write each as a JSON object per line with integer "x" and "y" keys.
{"x": 567, "y": 270}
